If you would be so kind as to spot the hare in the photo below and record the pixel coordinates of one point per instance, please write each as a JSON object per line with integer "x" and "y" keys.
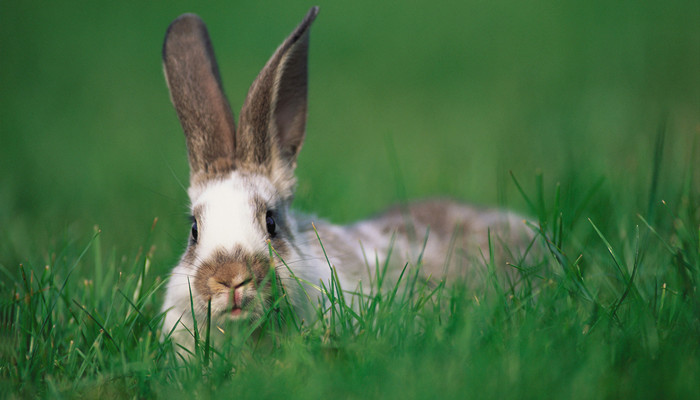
{"x": 242, "y": 185}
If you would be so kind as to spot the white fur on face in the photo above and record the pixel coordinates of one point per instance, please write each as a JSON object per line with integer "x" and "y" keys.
{"x": 227, "y": 217}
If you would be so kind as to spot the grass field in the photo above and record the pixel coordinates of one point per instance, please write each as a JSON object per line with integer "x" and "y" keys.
{"x": 593, "y": 107}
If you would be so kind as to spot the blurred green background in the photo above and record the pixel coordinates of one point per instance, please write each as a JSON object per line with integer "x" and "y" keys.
{"x": 459, "y": 92}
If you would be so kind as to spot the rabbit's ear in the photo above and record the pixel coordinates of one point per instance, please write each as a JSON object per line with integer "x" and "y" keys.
{"x": 273, "y": 117}
{"x": 197, "y": 94}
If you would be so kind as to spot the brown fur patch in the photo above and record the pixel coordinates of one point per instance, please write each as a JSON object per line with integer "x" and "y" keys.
{"x": 273, "y": 116}
{"x": 226, "y": 270}
{"x": 196, "y": 92}
{"x": 458, "y": 236}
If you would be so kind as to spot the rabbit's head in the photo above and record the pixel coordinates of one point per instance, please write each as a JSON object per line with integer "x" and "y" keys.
{"x": 241, "y": 178}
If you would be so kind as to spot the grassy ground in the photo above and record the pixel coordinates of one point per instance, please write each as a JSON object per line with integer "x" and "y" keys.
{"x": 594, "y": 108}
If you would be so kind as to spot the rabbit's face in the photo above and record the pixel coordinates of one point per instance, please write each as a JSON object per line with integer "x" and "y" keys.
{"x": 241, "y": 177}
{"x": 239, "y": 229}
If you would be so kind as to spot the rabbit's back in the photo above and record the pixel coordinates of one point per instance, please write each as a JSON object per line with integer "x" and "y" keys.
{"x": 445, "y": 238}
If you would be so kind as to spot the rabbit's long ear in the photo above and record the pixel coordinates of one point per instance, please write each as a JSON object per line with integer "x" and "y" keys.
{"x": 197, "y": 94}
{"x": 273, "y": 117}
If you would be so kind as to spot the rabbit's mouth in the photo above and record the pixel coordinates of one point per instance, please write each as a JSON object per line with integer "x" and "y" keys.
{"x": 235, "y": 312}
{"x": 240, "y": 300}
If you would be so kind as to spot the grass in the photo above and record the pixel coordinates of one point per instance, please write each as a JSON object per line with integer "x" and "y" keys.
{"x": 581, "y": 115}
{"x": 610, "y": 320}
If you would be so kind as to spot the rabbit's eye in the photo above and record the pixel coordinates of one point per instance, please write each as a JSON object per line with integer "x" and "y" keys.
{"x": 195, "y": 231}
{"x": 270, "y": 222}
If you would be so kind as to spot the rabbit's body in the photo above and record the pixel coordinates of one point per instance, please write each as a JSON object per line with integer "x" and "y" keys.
{"x": 242, "y": 184}
{"x": 443, "y": 236}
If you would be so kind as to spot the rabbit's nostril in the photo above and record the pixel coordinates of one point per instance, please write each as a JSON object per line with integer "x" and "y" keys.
{"x": 243, "y": 283}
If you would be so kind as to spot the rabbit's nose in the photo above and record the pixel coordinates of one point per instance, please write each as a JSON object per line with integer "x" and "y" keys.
{"x": 240, "y": 281}
{"x": 230, "y": 276}
{"x": 237, "y": 293}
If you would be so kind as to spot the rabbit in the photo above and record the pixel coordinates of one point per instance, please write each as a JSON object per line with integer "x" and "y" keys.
{"x": 242, "y": 185}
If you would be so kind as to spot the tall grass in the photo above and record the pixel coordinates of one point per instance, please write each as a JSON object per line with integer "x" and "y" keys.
{"x": 617, "y": 316}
